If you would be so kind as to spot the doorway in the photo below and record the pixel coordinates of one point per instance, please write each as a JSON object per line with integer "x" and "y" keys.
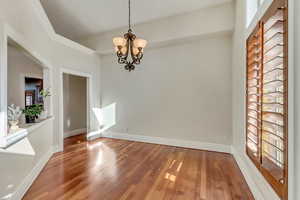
{"x": 75, "y": 106}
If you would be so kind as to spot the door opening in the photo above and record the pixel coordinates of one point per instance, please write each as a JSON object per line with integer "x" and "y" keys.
{"x": 75, "y": 109}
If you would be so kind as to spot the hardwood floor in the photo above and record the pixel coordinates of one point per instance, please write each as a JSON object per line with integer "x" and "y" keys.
{"x": 110, "y": 169}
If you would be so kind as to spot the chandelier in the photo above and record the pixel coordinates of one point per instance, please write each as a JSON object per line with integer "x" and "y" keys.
{"x": 129, "y": 45}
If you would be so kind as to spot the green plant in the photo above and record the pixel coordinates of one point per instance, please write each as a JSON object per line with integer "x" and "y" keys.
{"x": 33, "y": 110}
{"x": 45, "y": 93}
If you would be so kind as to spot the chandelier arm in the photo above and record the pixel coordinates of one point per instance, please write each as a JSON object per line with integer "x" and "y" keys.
{"x": 119, "y": 54}
{"x": 121, "y": 61}
{"x": 121, "y": 58}
{"x": 137, "y": 62}
{"x": 138, "y": 58}
{"x": 141, "y": 55}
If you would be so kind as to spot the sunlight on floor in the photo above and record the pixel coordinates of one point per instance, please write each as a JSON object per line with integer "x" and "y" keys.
{"x": 170, "y": 177}
{"x": 105, "y": 159}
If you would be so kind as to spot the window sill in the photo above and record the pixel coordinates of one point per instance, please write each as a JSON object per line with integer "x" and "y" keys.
{"x": 22, "y": 132}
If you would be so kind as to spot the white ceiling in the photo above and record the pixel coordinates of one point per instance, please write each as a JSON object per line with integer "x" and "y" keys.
{"x": 83, "y": 18}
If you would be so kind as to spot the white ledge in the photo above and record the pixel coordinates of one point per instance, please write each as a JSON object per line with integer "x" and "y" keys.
{"x": 22, "y": 132}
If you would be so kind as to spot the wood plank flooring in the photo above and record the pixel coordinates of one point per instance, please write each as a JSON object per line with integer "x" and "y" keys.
{"x": 110, "y": 169}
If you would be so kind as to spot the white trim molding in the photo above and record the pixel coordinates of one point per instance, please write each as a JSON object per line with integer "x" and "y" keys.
{"x": 291, "y": 102}
{"x": 171, "y": 142}
{"x": 75, "y": 132}
{"x": 90, "y": 103}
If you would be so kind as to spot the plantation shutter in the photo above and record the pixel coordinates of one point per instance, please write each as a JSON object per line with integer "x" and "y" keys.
{"x": 267, "y": 96}
{"x": 254, "y": 81}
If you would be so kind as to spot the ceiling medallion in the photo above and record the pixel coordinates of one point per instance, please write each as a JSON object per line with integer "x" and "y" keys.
{"x": 129, "y": 45}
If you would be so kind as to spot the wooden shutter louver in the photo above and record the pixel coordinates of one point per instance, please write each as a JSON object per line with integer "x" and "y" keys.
{"x": 254, "y": 78}
{"x": 267, "y": 96}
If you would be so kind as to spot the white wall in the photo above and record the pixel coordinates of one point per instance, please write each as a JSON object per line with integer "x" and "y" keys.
{"x": 75, "y": 103}
{"x": 19, "y": 66}
{"x": 32, "y": 27}
{"x": 177, "y": 92}
{"x": 238, "y": 76}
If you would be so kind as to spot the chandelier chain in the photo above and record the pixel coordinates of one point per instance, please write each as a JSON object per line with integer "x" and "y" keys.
{"x": 129, "y": 18}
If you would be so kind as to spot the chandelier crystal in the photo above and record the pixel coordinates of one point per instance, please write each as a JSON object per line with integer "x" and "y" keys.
{"x": 129, "y": 46}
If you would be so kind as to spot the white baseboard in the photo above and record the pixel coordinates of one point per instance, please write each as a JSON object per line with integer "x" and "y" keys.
{"x": 29, "y": 179}
{"x": 75, "y": 132}
{"x": 259, "y": 187}
{"x": 171, "y": 142}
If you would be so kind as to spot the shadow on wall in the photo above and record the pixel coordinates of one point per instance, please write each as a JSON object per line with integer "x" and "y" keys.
{"x": 106, "y": 118}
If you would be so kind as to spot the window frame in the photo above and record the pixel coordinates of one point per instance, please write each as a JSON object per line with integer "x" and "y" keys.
{"x": 282, "y": 192}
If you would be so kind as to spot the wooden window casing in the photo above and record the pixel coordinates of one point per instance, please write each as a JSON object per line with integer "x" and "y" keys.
{"x": 267, "y": 97}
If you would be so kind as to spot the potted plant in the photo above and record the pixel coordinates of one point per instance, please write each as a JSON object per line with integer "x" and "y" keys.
{"x": 32, "y": 112}
{"x": 44, "y": 93}
{"x": 13, "y": 115}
